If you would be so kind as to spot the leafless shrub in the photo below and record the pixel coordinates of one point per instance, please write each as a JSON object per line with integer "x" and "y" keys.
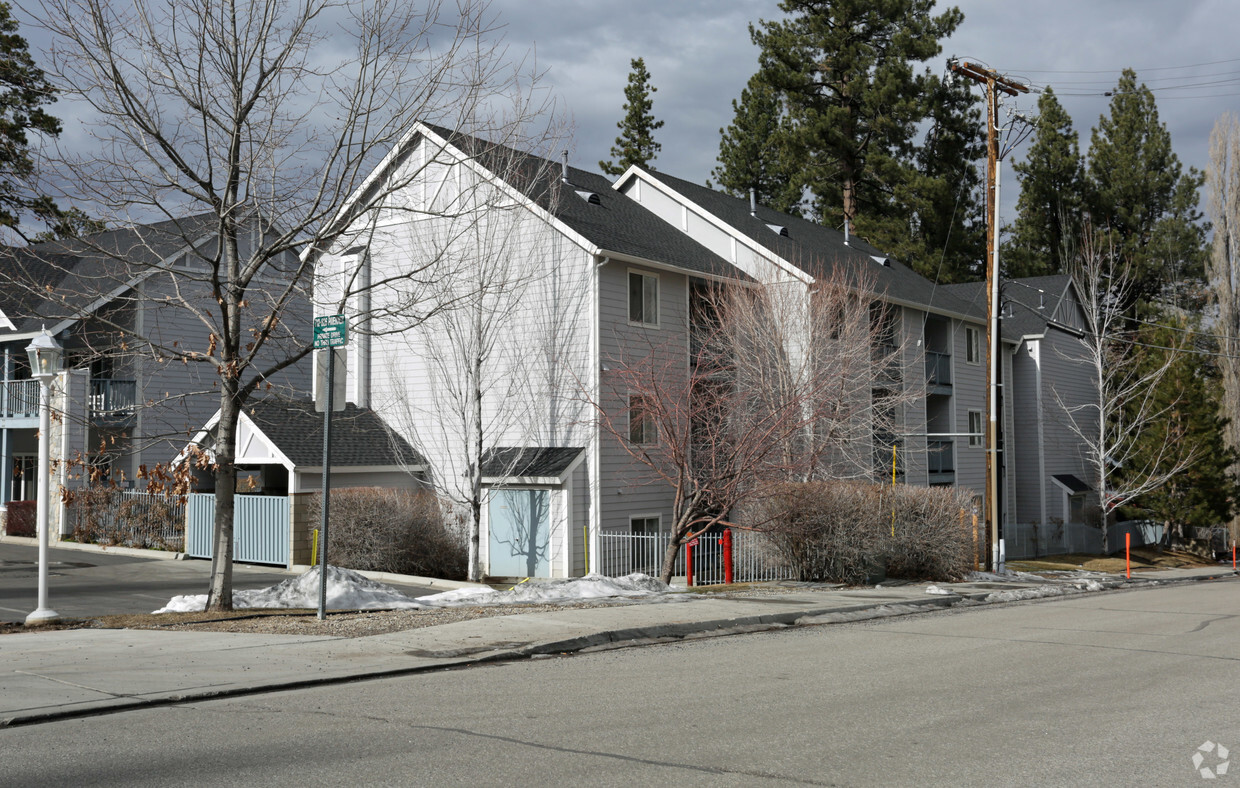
{"x": 398, "y": 531}
{"x": 842, "y": 531}
{"x": 932, "y": 539}
{"x": 828, "y": 531}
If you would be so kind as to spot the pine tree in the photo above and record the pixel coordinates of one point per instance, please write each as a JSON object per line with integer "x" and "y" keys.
{"x": 846, "y": 70}
{"x": 1139, "y": 193}
{"x": 1204, "y": 493}
{"x": 1049, "y": 211}
{"x": 636, "y": 144}
{"x": 755, "y": 151}
{"x": 24, "y": 92}
{"x": 946, "y": 232}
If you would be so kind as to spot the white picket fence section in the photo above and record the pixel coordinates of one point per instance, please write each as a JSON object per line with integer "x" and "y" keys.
{"x": 753, "y": 558}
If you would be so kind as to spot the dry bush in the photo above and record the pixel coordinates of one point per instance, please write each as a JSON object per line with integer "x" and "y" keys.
{"x": 933, "y": 537}
{"x": 21, "y": 519}
{"x": 827, "y": 531}
{"x": 399, "y": 531}
{"x": 845, "y": 532}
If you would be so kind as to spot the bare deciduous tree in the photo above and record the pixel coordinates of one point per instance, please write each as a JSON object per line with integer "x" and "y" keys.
{"x": 781, "y": 383}
{"x": 263, "y": 121}
{"x": 1124, "y": 381}
{"x": 1223, "y": 267}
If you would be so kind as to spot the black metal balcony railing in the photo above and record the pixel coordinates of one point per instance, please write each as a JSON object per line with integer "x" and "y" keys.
{"x": 938, "y": 368}
{"x": 940, "y": 456}
{"x": 19, "y": 399}
{"x": 110, "y": 397}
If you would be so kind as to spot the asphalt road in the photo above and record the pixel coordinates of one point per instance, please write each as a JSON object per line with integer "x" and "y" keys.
{"x": 1101, "y": 689}
{"x": 85, "y": 583}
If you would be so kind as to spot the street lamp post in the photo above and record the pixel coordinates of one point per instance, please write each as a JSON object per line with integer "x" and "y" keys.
{"x": 45, "y": 363}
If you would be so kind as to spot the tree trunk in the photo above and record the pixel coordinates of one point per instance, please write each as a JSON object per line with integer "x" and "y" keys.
{"x": 220, "y": 595}
{"x": 669, "y": 559}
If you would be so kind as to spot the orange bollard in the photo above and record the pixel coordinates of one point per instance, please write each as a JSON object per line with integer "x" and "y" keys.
{"x": 1128, "y": 555}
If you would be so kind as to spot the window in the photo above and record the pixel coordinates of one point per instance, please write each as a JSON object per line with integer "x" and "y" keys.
{"x": 643, "y": 299}
{"x": 976, "y": 429}
{"x": 642, "y": 429}
{"x": 972, "y": 345}
{"x": 644, "y": 525}
{"x": 1076, "y": 508}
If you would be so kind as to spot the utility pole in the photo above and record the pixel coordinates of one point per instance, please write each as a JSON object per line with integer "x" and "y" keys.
{"x": 995, "y": 84}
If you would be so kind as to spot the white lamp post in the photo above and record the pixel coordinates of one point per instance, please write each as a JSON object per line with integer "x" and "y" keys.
{"x": 46, "y": 356}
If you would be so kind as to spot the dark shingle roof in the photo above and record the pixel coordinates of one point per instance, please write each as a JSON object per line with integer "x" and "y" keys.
{"x": 1028, "y": 311}
{"x": 815, "y": 248}
{"x": 544, "y": 461}
{"x": 615, "y": 223}
{"x": 359, "y": 435}
{"x": 59, "y": 280}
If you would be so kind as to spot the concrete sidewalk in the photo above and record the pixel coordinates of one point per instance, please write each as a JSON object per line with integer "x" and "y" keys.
{"x": 55, "y": 675}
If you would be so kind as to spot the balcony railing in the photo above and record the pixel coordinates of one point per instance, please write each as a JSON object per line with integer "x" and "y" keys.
{"x": 940, "y": 456}
{"x": 938, "y": 368}
{"x": 110, "y": 397}
{"x": 19, "y": 399}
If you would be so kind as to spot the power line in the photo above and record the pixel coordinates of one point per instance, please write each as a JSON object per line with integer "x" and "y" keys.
{"x": 1117, "y": 70}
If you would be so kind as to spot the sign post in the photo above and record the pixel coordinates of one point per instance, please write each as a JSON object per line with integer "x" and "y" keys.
{"x": 330, "y": 331}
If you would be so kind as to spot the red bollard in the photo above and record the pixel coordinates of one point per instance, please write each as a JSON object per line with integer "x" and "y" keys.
{"x": 1233, "y": 555}
{"x": 689, "y": 561}
{"x": 727, "y": 556}
{"x": 1128, "y": 555}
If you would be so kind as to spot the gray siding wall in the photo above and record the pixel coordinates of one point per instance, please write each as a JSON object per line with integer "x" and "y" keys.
{"x": 625, "y": 487}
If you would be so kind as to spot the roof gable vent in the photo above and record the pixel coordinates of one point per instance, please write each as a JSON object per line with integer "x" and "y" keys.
{"x": 590, "y": 197}
{"x": 779, "y": 229}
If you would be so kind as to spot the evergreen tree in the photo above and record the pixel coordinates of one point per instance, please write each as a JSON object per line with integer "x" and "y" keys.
{"x": 846, "y": 70}
{"x": 1049, "y": 211}
{"x": 1189, "y": 397}
{"x": 756, "y": 150}
{"x": 636, "y": 144}
{"x": 946, "y": 231}
{"x": 24, "y": 92}
{"x": 1138, "y": 192}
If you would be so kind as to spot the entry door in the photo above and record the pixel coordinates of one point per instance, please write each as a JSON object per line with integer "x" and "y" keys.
{"x": 520, "y": 533}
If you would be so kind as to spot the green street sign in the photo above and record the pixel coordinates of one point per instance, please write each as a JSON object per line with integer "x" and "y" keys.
{"x": 331, "y": 331}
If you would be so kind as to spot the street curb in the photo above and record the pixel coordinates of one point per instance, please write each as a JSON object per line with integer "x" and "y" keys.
{"x": 604, "y": 640}
{"x": 132, "y": 552}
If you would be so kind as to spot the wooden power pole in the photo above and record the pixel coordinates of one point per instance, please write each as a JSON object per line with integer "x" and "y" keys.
{"x": 995, "y": 84}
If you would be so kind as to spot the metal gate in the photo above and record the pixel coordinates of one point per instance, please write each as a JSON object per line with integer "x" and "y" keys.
{"x": 260, "y": 528}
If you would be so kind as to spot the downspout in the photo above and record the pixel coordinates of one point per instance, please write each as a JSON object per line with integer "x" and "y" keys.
{"x": 1037, "y": 378}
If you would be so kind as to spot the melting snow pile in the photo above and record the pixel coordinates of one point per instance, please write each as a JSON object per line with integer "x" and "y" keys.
{"x": 592, "y": 586}
{"x": 348, "y": 590}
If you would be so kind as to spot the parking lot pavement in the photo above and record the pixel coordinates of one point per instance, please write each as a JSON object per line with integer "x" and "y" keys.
{"x": 84, "y": 583}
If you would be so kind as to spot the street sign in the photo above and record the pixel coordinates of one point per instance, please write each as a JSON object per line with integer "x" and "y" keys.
{"x": 692, "y": 543}
{"x": 331, "y": 331}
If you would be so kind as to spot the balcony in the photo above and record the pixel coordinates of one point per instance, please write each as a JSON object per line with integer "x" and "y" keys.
{"x": 941, "y": 461}
{"x": 19, "y": 399}
{"x": 112, "y": 400}
{"x": 938, "y": 372}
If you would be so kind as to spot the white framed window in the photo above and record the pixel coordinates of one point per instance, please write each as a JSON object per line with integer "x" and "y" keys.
{"x": 972, "y": 345}
{"x": 643, "y": 299}
{"x": 976, "y": 429}
{"x": 645, "y": 524}
{"x": 642, "y": 428}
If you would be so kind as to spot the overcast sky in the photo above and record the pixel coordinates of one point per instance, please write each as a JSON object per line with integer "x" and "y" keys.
{"x": 700, "y": 57}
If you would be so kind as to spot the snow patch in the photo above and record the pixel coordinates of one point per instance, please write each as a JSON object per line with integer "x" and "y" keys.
{"x": 348, "y": 590}
{"x": 938, "y": 590}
